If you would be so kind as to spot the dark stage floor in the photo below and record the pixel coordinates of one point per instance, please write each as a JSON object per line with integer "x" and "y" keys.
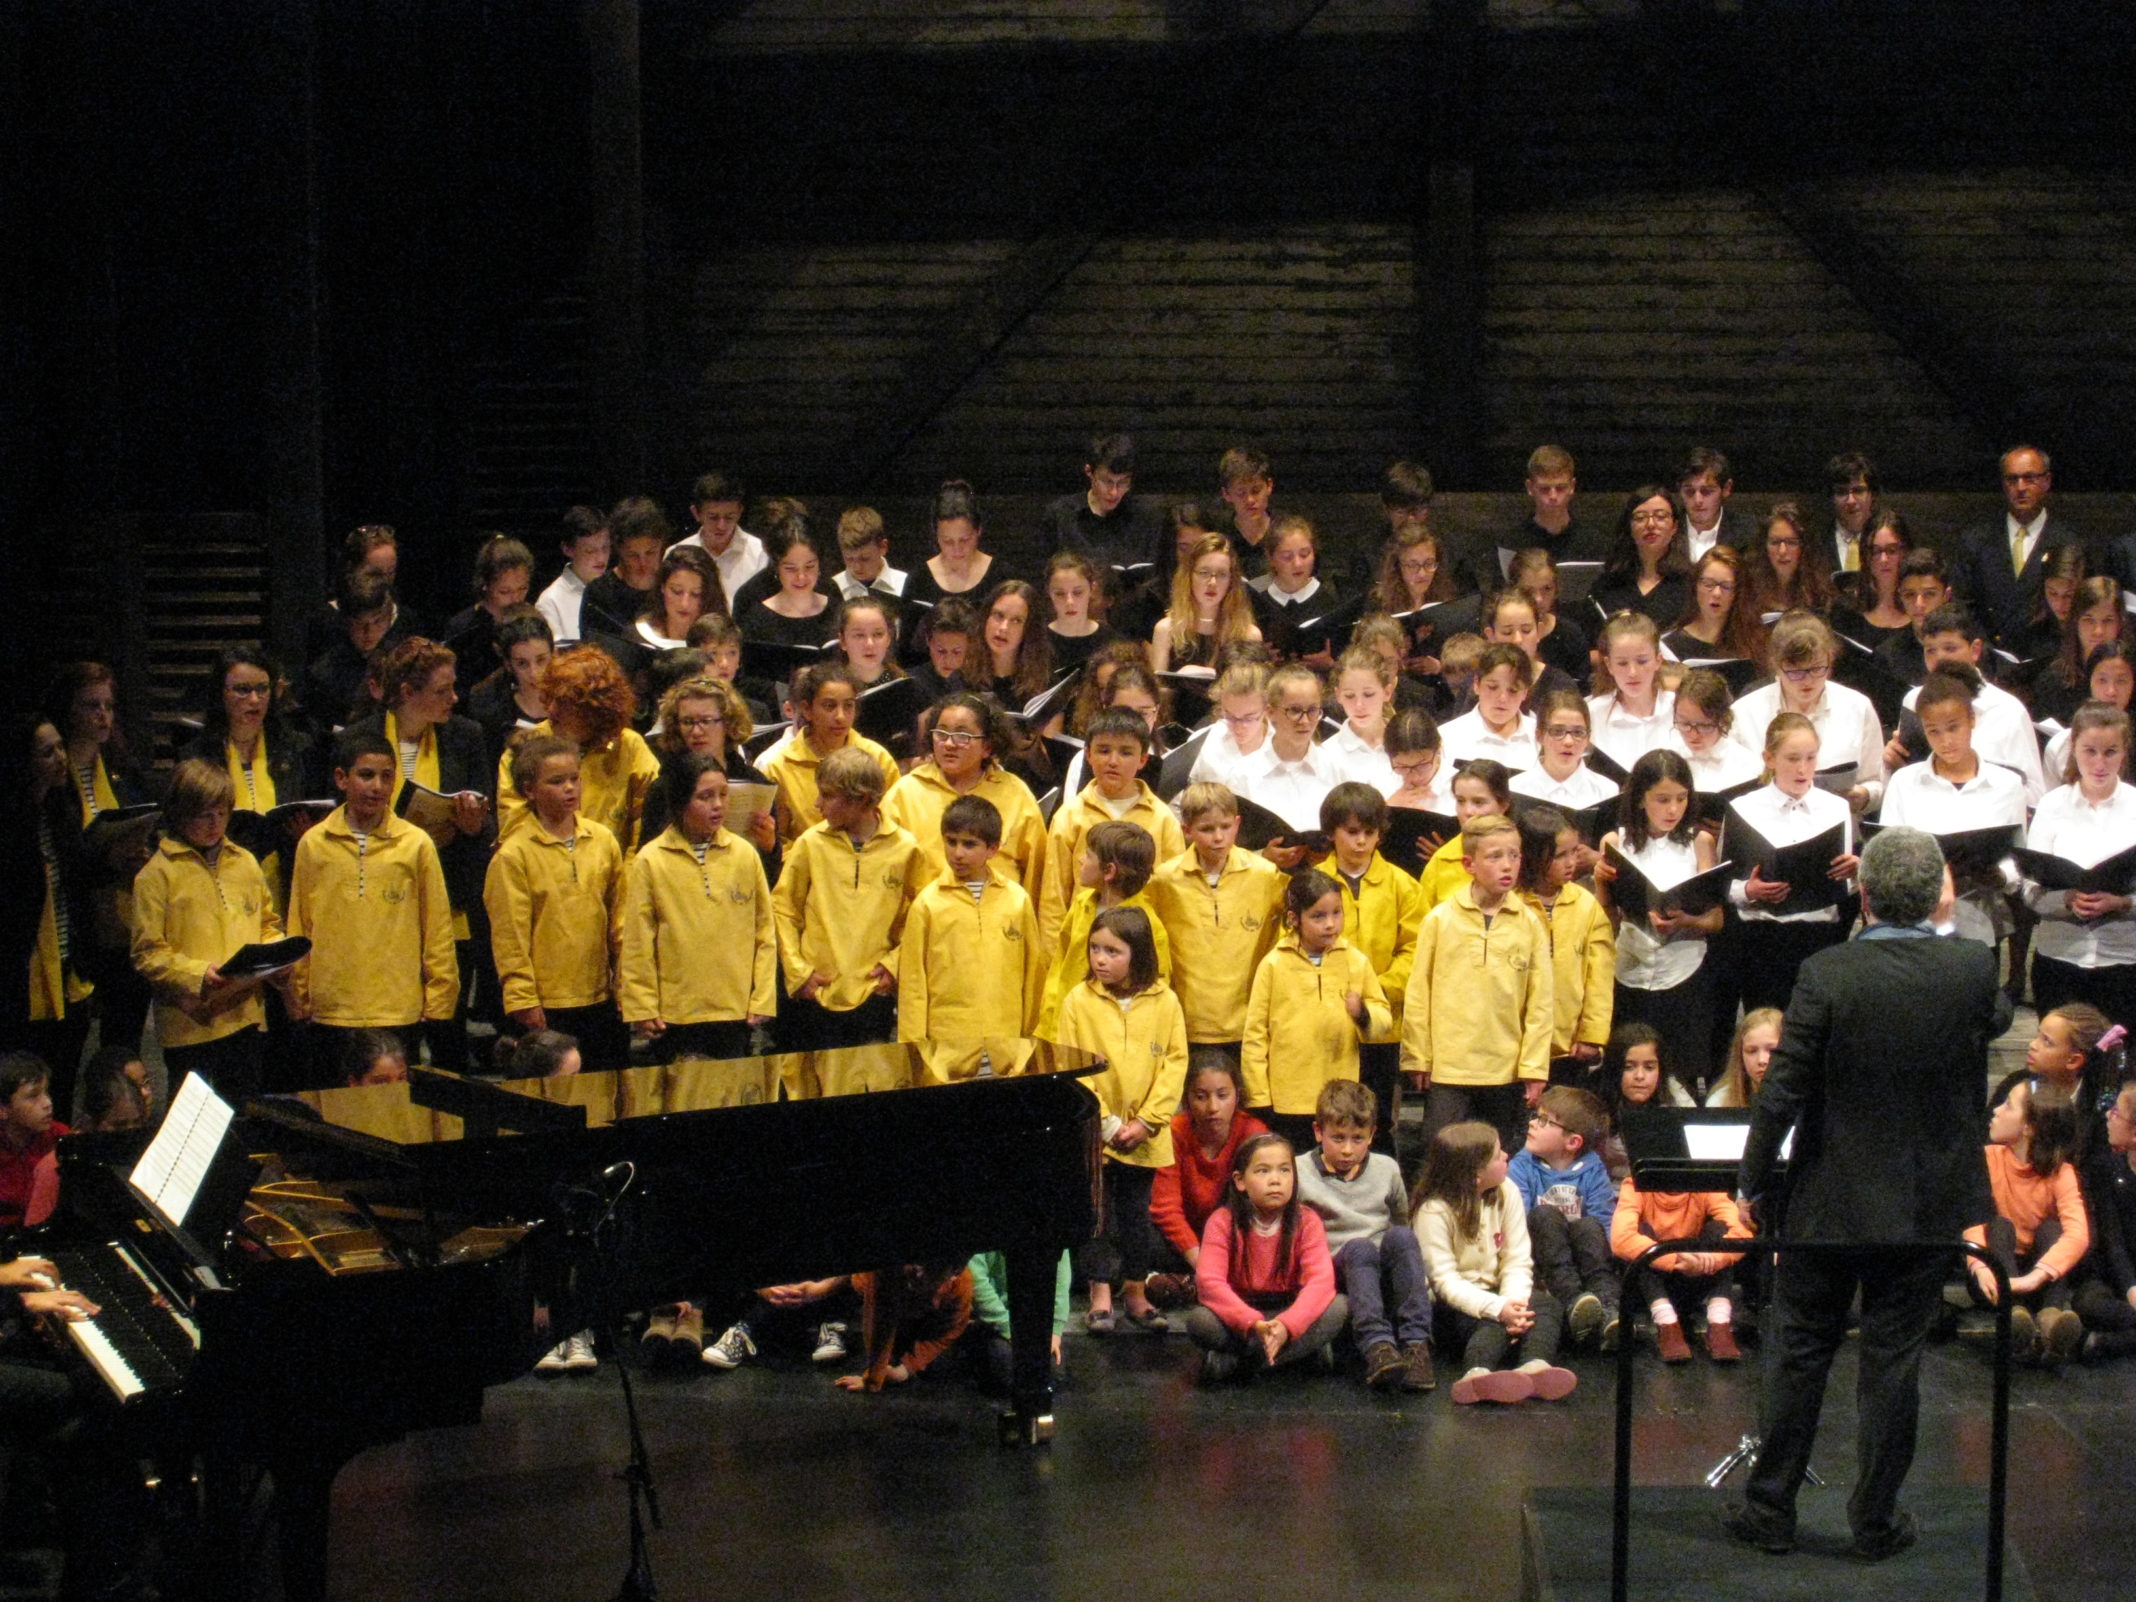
{"x": 776, "y": 1486}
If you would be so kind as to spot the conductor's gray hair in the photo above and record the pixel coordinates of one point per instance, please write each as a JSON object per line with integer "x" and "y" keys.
{"x": 1902, "y": 876}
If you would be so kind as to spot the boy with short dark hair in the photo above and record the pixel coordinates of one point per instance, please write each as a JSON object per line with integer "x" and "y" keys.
{"x": 1221, "y": 909}
{"x": 1244, "y": 483}
{"x": 1115, "y": 746}
{"x": 1103, "y": 521}
{"x": 716, "y": 502}
{"x": 368, "y": 891}
{"x": 365, "y": 613}
{"x": 970, "y": 964}
{"x": 1362, "y": 1203}
{"x": 1705, "y": 483}
{"x": 1924, "y": 586}
{"x": 1113, "y": 871}
{"x": 1381, "y": 911}
{"x": 1552, "y": 481}
{"x": 584, "y": 540}
{"x": 1565, "y": 1185}
{"x": 28, "y": 1136}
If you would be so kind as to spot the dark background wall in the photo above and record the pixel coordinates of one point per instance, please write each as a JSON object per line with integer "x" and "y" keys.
{"x": 272, "y": 270}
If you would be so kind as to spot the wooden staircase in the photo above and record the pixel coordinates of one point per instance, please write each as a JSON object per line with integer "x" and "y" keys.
{"x": 203, "y": 588}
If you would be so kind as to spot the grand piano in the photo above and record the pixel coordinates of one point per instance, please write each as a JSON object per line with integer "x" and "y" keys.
{"x": 383, "y": 1248}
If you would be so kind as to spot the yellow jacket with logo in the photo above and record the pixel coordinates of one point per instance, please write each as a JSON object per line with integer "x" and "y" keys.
{"x": 380, "y": 925}
{"x": 1583, "y": 968}
{"x": 792, "y": 767}
{"x": 969, "y": 969}
{"x": 698, "y": 943}
{"x": 841, "y": 911}
{"x": 1482, "y": 1003}
{"x": 1071, "y": 960}
{"x": 1443, "y": 874}
{"x": 1299, "y": 1032}
{"x": 1382, "y": 921}
{"x": 1218, "y": 935}
{"x": 614, "y": 780}
{"x": 556, "y": 916}
{"x": 188, "y": 917}
{"x": 1064, "y": 847}
{"x": 917, "y": 801}
{"x": 1144, "y": 1044}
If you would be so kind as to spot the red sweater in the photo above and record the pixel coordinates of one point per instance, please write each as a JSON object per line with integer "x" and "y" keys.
{"x": 1310, "y": 1284}
{"x": 18, "y": 1176}
{"x": 1188, "y": 1189}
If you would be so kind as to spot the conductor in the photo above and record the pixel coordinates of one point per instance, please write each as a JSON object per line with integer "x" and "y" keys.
{"x": 1887, "y": 1149}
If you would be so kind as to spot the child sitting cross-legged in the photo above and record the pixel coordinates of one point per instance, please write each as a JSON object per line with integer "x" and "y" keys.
{"x": 2040, "y": 1230}
{"x": 1359, "y": 1196}
{"x": 1565, "y": 1187}
{"x": 1645, "y": 1218}
{"x": 1207, "y": 1131}
{"x": 1488, "y": 1307}
{"x": 1266, "y": 1282}
{"x": 1113, "y": 871}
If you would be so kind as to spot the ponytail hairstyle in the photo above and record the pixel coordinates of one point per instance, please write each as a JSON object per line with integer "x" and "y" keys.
{"x": 1076, "y": 562}
{"x": 1624, "y": 625}
{"x": 1621, "y": 1041}
{"x": 1783, "y": 725}
{"x": 1241, "y": 1208}
{"x": 2087, "y": 1027}
{"x": 1947, "y": 686}
{"x": 1459, "y": 1154}
{"x": 1494, "y": 776}
{"x": 1539, "y": 830}
{"x": 1303, "y": 893}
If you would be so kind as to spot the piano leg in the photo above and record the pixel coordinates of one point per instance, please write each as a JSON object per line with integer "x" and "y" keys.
{"x": 1032, "y": 1275}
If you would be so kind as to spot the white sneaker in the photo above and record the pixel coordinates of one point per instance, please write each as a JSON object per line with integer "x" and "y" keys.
{"x": 556, "y": 1359}
{"x": 732, "y": 1349}
{"x": 830, "y": 1342}
{"x": 578, "y": 1353}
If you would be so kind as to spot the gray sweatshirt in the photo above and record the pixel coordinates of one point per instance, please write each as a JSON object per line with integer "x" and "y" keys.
{"x": 1354, "y": 1209}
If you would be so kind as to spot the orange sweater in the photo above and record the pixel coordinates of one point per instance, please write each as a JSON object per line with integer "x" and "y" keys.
{"x": 1644, "y": 1218}
{"x": 2028, "y": 1199}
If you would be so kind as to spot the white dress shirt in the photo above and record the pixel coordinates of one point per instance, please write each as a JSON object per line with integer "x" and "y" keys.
{"x": 1361, "y": 762}
{"x": 559, "y": 606}
{"x": 1623, "y": 735}
{"x": 2070, "y": 826}
{"x": 2002, "y": 734}
{"x": 1722, "y": 766}
{"x": 1918, "y": 797}
{"x": 741, "y": 561}
{"x": 1645, "y": 961}
{"x": 1467, "y": 737}
{"x": 1220, "y": 758}
{"x": 1698, "y": 541}
{"x": 1787, "y": 820}
{"x": 890, "y": 581}
{"x": 1293, "y": 791}
{"x": 1583, "y": 789}
{"x": 2031, "y": 531}
{"x": 1848, "y": 730}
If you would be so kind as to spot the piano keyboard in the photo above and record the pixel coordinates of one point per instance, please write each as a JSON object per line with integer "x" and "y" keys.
{"x": 137, "y": 1342}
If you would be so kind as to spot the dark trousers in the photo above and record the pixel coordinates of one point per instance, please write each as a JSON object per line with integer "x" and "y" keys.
{"x": 1683, "y": 1015}
{"x": 2111, "y": 989}
{"x": 1212, "y": 1334}
{"x": 231, "y": 1065}
{"x": 1900, "y": 1297}
{"x": 716, "y": 1041}
{"x": 807, "y": 1026}
{"x": 1503, "y": 1107}
{"x": 1297, "y": 1128}
{"x": 103, "y": 1507}
{"x": 447, "y": 1037}
{"x": 1572, "y": 1256}
{"x": 1125, "y": 1244}
{"x": 2002, "y": 1244}
{"x": 1379, "y": 1067}
{"x": 1486, "y": 1343}
{"x": 1377, "y": 1275}
{"x": 1688, "y": 1293}
{"x": 2103, "y": 1308}
{"x": 1771, "y": 954}
{"x": 603, "y": 1042}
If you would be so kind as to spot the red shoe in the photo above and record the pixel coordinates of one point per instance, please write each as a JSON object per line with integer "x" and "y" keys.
{"x": 1721, "y": 1342}
{"x": 1670, "y": 1339}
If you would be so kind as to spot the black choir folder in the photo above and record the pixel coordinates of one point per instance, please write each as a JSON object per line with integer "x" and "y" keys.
{"x": 1258, "y": 827}
{"x": 1806, "y": 866}
{"x": 1413, "y": 834}
{"x": 2114, "y": 876}
{"x": 266, "y": 957}
{"x": 1637, "y": 896}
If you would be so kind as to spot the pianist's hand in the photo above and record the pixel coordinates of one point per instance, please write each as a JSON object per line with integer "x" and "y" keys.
{"x": 65, "y": 1304}
{"x": 28, "y": 1273}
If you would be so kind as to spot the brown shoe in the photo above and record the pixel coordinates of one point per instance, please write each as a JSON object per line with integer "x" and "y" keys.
{"x": 659, "y": 1330}
{"x": 1721, "y": 1342}
{"x": 1171, "y": 1291}
{"x": 1416, "y": 1367}
{"x": 1383, "y": 1366}
{"x": 1669, "y": 1338}
{"x": 687, "y": 1343}
{"x": 2061, "y": 1335}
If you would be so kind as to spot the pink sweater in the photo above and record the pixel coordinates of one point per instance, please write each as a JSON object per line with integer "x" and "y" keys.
{"x": 1310, "y": 1284}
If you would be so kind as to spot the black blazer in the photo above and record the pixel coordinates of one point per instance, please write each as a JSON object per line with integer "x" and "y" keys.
{"x": 2002, "y": 600}
{"x": 463, "y": 764}
{"x": 1881, "y": 1065}
{"x": 296, "y": 765}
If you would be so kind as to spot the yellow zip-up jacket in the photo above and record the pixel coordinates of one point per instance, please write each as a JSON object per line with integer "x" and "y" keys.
{"x": 698, "y": 941}
{"x": 188, "y": 917}
{"x": 1482, "y": 1003}
{"x": 1064, "y": 847}
{"x": 1443, "y": 874}
{"x": 792, "y": 767}
{"x": 1144, "y": 1043}
{"x": 969, "y": 970}
{"x": 556, "y": 915}
{"x": 1583, "y": 968}
{"x": 380, "y": 924}
{"x": 1218, "y": 934}
{"x": 1382, "y": 922}
{"x": 917, "y": 801}
{"x": 1299, "y": 1035}
{"x": 841, "y": 911}
{"x": 614, "y": 780}
{"x": 1071, "y": 961}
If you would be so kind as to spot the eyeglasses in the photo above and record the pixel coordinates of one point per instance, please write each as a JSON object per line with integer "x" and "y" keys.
{"x": 702, "y": 720}
{"x": 1804, "y": 675}
{"x": 1545, "y": 1120}
{"x": 1417, "y": 569}
{"x": 1212, "y": 575}
{"x": 1566, "y": 731}
{"x": 1718, "y": 586}
{"x": 1783, "y": 542}
{"x": 249, "y": 689}
{"x": 1300, "y": 712}
{"x": 1686, "y": 726}
{"x": 1242, "y": 720}
{"x": 1653, "y": 517}
{"x": 956, "y": 737}
{"x": 2024, "y": 478}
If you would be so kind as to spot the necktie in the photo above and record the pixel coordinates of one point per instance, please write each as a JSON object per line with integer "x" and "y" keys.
{"x": 1850, "y": 555}
{"x": 2017, "y": 551}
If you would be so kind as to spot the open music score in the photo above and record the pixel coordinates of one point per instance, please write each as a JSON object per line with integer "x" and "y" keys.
{"x": 171, "y": 1171}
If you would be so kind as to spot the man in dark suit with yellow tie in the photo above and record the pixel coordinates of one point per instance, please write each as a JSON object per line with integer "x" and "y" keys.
{"x": 2001, "y": 567}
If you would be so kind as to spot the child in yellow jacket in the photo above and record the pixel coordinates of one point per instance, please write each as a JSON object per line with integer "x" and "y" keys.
{"x": 1221, "y": 909}
{"x": 840, "y": 909}
{"x": 700, "y": 961}
{"x": 1314, "y": 998}
{"x": 369, "y": 893}
{"x": 1381, "y": 908}
{"x": 1125, "y": 1013}
{"x": 1113, "y": 871}
{"x": 970, "y": 968}
{"x": 1116, "y": 744}
{"x": 1583, "y": 947}
{"x": 1482, "y": 787}
{"x": 554, "y": 893}
{"x": 826, "y": 698}
{"x": 1477, "y": 1026}
{"x": 967, "y": 735}
{"x": 201, "y": 897}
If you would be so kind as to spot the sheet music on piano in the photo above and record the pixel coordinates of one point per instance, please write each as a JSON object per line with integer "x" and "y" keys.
{"x": 171, "y": 1171}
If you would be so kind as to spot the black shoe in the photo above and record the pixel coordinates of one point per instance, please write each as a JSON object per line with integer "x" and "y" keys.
{"x": 1745, "y": 1528}
{"x": 1875, "y": 1548}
